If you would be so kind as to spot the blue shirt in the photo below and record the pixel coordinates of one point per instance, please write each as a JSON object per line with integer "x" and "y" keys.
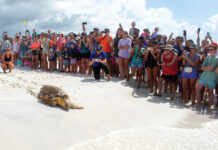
{"x": 179, "y": 51}
{"x": 101, "y": 56}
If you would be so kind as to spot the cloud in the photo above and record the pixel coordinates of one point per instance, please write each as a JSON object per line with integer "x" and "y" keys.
{"x": 66, "y": 16}
{"x": 212, "y": 26}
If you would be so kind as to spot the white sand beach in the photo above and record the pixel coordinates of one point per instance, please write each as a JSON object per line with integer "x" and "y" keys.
{"x": 116, "y": 116}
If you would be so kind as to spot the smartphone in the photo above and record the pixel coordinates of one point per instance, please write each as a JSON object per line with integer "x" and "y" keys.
{"x": 97, "y": 60}
{"x": 184, "y": 33}
{"x": 199, "y": 30}
{"x": 85, "y": 23}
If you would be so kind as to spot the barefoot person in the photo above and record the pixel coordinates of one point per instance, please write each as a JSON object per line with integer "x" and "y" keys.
{"x": 169, "y": 69}
{"x": 98, "y": 62}
{"x": 208, "y": 77}
{"x": 7, "y": 60}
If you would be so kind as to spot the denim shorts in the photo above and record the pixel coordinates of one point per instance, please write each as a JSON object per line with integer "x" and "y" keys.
{"x": 58, "y": 54}
{"x": 138, "y": 65}
{"x": 211, "y": 85}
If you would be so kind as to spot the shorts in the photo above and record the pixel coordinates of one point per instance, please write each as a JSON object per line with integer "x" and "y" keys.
{"x": 73, "y": 61}
{"x": 191, "y": 75}
{"x": 136, "y": 64}
{"x": 108, "y": 55}
{"x": 45, "y": 51}
{"x": 78, "y": 57}
{"x": 65, "y": 62}
{"x": 58, "y": 54}
{"x": 170, "y": 78}
{"x": 34, "y": 52}
{"x": 211, "y": 85}
{"x": 85, "y": 55}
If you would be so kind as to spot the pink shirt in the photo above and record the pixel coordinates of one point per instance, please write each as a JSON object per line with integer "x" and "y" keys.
{"x": 60, "y": 44}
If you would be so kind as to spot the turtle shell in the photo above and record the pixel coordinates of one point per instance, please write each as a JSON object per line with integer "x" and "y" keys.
{"x": 50, "y": 91}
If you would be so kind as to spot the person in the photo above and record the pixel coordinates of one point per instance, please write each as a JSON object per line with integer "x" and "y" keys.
{"x": 52, "y": 56}
{"x": 35, "y": 47}
{"x": 73, "y": 57}
{"x": 94, "y": 39}
{"x": 85, "y": 52}
{"x": 24, "y": 48}
{"x": 169, "y": 69}
{"x": 105, "y": 42}
{"x": 155, "y": 33}
{"x": 208, "y": 78}
{"x": 7, "y": 60}
{"x": 116, "y": 50}
{"x": 60, "y": 44}
{"x": 98, "y": 61}
{"x": 152, "y": 56}
{"x": 124, "y": 47}
{"x": 16, "y": 47}
{"x": 45, "y": 51}
{"x": 66, "y": 59}
{"x": 137, "y": 55}
{"x": 133, "y": 31}
{"x": 190, "y": 72}
{"x": 5, "y": 42}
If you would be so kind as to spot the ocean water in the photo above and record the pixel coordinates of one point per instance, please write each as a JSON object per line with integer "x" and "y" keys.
{"x": 156, "y": 138}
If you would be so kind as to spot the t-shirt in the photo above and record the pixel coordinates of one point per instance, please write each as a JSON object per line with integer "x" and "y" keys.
{"x": 66, "y": 55}
{"x": 210, "y": 76}
{"x": 124, "y": 53}
{"x": 187, "y": 64}
{"x": 101, "y": 56}
{"x": 105, "y": 45}
{"x": 137, "y": 58}
{"x": 16, "y": 47}
{"x": 52, "y": 54}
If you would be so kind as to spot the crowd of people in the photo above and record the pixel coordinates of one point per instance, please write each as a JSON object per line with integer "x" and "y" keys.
{"x": 174, "y": 63}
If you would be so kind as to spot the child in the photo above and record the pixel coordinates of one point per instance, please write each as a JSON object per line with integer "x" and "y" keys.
{"x": 73, "y": 55}
{"x": 66, "y": 59}
{"x": 51, "y": 56}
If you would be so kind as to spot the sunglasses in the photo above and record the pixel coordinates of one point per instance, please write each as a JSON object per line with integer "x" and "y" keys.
{"x": 211, "y": 49}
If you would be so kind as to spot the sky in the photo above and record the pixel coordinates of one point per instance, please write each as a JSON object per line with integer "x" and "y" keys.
{"x": 66, "y": 15}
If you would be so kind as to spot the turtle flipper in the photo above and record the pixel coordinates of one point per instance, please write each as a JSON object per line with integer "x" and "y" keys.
{"x": 61, "y": 103}
{"x": 48, "y": 101}
{"x": 73, "y": 106}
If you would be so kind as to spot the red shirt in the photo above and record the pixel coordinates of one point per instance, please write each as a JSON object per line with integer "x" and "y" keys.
{"x": 105, "y": 44}
{"x": 169, "y": 70}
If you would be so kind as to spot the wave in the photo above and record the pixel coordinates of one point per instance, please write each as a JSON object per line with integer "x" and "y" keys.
{"x": 156, "y": 138}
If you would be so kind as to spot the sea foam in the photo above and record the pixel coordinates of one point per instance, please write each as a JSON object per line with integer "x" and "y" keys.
{"x": 156, "y": 138}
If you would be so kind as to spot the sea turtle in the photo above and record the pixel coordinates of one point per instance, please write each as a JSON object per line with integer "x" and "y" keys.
{"x": 53, "y": 96}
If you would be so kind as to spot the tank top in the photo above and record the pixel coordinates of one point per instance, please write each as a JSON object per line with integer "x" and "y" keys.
{"x": 137, "y": 58}
{"x": 151, "y": 62}
{"x": 7, "y": 59}
{"x": 169, "y": 70}
{"x": 84, "y": 49}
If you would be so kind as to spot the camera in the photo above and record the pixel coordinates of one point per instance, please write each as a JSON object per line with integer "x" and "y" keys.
{"x": 184, "y": 33}
{"x": 84, "y": 23}
{"x": 199, "y": 30}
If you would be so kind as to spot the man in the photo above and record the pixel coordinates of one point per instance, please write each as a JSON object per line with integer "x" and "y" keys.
{"x": 133, "y": 31}
{"x": 94, "y": 41}
{"x": 98, "y": 62}
{"x": 105, "y": 42}
{"x": 5, "y": 42}
{"x": 7, "y": 60}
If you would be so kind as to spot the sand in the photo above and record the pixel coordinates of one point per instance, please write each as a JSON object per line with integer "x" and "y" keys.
{"x": 113, "y": 110}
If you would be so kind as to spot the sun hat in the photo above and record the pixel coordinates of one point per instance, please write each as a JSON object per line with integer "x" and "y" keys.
{"x": 169, "y": 47}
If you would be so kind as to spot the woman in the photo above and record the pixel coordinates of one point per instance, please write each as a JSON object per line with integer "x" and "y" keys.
{"x": 41, "y": 40}
{"x": 208, "y": 77}
{"x": 116, "y": 50}
{"x": 137, "y": 58}
{"x": 35, "y": 47}
{"x": 24, "y": 48}
{"x": 16, "y": 47}
{"x": 152, "y": 56}
{"x": 45, "y": 52}
{"x": 169, "y": 65}
{"x": 190, "y": 72}
{"x": 85, "y": 52}
{"x": 124, "y": 46}
{"x": 7, "y": 60}
{"x": 60, "y": 44}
